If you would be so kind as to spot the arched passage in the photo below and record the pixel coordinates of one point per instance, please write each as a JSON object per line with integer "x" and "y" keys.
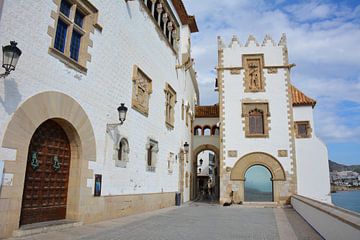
{"x": 209, "y": 154}
{"x": 68, "y": 114}
{"x": 270, "y": 166}
{"x": 258, "y": 184}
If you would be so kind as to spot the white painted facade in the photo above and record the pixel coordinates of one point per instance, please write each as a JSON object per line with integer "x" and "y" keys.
{"x": 275, "y": 95}
{"x": 129, "y": 37}
{"x": 312, "y": 161}
{"x": 305, "y": 161}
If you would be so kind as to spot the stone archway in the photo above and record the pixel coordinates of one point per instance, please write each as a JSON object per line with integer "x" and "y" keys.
{"x": 68, "y": 113}
{"x": 194, "y": 162}
{"x": 237, "y": 175}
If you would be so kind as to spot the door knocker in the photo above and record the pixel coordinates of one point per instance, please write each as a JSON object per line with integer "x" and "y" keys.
{"x": 56, "y": 165}
{"x": 34, "y": 161}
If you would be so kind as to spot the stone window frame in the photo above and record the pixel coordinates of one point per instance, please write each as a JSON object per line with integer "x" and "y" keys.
{"x": 152, "y": 150}
{"x": 123, "y": 146}
{"x": 308, "y": 129}
{"x": 263, "y": 107}
{"x": 246, "y": 81}
{"x": 170, "y": 95}
{"x": 90, "y": 13}
{"x": 159, "y": 13}
{"x": 141, "y": 80}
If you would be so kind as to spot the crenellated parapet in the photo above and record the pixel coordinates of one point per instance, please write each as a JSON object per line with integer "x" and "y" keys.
{"x": 252, "y": 42}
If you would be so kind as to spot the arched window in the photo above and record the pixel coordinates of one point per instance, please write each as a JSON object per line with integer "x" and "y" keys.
{"x": 256, "y": 122}
{"x": 197, "y": 131}
{"x": 207, "y": 131}
{"x": 122, "y": 153}
{"x": 215, "y": 131}
{"x": 149, "y": 5}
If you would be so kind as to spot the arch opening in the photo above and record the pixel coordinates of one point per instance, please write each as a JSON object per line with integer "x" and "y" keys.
{"x": 258, "y": 184}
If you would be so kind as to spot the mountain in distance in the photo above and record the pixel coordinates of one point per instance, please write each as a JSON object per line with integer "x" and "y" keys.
{"x": 334, "y": 166}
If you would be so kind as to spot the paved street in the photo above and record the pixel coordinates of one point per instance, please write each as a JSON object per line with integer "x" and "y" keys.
{"x": 195, "y": 221}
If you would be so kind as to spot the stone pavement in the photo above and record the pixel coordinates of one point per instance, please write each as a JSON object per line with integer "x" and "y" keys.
{"x": 195, "y": 221}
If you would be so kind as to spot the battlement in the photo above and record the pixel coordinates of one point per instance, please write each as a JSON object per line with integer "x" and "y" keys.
{"x": 252, "y": 42}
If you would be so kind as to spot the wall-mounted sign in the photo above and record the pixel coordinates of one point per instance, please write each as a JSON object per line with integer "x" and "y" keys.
{"x": 97, "y": 188}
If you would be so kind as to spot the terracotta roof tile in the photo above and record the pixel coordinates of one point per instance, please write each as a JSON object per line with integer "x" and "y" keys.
{"x": 207, "y": 111}
{"x": 300, "y": 99}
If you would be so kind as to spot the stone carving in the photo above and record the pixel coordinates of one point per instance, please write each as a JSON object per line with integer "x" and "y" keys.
{"x": 232, "y": 153}
{"x": 253, "y": 65}
{"x": 272, "y": 70}
{"x": 142, "y": 88}
{"x": 282, "y": 153}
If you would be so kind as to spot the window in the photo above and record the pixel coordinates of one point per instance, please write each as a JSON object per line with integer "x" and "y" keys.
{"x": 142, "y": 88}
{"x": 207, "y": 131}
{"x": 254, "y": 79}
{"x": 215, "y": 131}
{"x": 170, "y": 105}
{"x": 197, "y": 131}
{"x": 60, "y": 39}
{"x": 74, "y": 21}
{"x": 182, "y": 109}
{"x": 256, "y": 119}
{"x": 303, "y": 129}
{"x": 256, "y": 122}
{"x": 151, "y": 152}
{"x": 122, "y": 153}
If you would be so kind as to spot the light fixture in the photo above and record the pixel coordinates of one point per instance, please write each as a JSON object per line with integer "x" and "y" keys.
{"x": 122, "y": 113}
{"x": 186, "y": 147}
{"x": 11, "y": 55}
{"x": 122, "y": 110}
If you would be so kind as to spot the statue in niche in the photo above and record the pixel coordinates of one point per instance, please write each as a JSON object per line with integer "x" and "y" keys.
{"x": 254, "y": 75}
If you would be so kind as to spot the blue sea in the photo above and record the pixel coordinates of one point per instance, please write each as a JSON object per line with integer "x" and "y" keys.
{"x": 347, "y": 199}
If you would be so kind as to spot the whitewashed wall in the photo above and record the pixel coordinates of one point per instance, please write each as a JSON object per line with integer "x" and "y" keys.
{"x": 312, "y": 161}
{"x": 275, "y": 94}
{"x": 129, "y": 37}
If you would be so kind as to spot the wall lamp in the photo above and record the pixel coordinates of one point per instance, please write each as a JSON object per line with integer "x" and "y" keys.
{"x": 11, "y": 55}
{"x": 186, "y": 147}
{"x": 122, "y": 110}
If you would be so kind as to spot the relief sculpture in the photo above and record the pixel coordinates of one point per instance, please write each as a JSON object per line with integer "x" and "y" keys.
{"x": 141, "y": 91}
{"x": 253, "y": 73}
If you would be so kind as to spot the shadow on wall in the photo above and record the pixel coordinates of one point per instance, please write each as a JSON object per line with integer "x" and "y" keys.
{"x": 11, "y": 97}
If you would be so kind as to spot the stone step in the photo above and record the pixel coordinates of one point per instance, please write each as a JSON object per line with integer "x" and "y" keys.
{"x": 42, "y": 227}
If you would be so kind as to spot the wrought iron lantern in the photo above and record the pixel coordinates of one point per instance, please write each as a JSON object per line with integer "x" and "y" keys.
{"x": 11, "y": 55}
{"x": 186, "y": 147}
{"x": 122, "y": 113}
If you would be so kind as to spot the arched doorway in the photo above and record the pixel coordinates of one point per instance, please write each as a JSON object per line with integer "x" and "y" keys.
{"x": 47, "y": 175}
{"x": 206, "y": 172}
{"x": 258, "y": 184}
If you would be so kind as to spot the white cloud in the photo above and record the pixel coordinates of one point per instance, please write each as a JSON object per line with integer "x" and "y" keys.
{"x": 323, "y": 40}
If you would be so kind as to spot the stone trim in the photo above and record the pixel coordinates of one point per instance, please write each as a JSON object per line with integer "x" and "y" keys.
{"x": 253, "y": 61}
{"x": 170, "y": 102}
{"x": 90, "y": 23}
{"x": 142, "y": 88}
{"x": 308, "y": 129}
{"x": 17, "y": 135}
{"x": 247, "y": 107}
{"x": 257, "y": 158}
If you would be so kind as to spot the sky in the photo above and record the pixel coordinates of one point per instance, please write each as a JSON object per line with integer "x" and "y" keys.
{"x": 323, "y": 41}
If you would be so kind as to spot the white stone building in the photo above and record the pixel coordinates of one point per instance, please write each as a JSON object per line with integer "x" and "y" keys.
{"x": 267, "y": 147}
{"x": 59, "y": 126}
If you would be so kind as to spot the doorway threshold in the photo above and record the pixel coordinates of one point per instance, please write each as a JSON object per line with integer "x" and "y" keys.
{"x": 41, "y": 227}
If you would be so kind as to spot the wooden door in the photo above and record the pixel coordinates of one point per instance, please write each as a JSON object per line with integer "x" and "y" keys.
{"x": 47, "y": 175}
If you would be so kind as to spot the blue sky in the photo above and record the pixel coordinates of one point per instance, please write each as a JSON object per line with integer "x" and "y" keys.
{"x": 323, "y": 42}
